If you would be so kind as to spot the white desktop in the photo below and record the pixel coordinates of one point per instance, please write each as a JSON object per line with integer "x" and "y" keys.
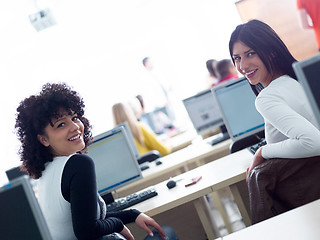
{"x": 130, "y": 138}
{"x": 205, "y": 114}
{"x": 20, "y": 216}
{"x": 237, "y": 105}
{"x": 115, "y": 162}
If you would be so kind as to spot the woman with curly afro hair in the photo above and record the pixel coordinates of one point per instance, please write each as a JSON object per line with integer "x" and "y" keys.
{"x": 54, "y": 135}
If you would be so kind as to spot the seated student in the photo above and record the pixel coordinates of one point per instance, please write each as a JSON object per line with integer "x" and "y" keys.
{"x": 145, "y": 139}
{"x": 285, "y": 172}
{"x": 225, "y": 71}
{"x": 211, "y": 67}
{"x": 53, "y": 132}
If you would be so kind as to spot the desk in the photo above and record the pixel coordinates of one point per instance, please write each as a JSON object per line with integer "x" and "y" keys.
{"x": 176, "y": 163}
{"x": 297, "y": 224}
{"x": 182, "y": 140}
{"x": 224, "y": 172}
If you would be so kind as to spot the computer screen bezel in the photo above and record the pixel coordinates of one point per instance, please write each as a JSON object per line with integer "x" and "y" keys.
{"x": 130, "y": 138}
{"x": 135, "y": 177}
{"x": 234, "y": 138}
{"x": 14, "y": 173}
{"x": 212, "y": 125}
{"x": 299, "y": 68}
{"x": 150, "y": 119}
{"x": 24, "y": 182}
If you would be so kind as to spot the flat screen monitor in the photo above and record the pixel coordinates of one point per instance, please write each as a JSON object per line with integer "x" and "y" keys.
{"x": 115, "y": 162}
{"x": 203, "y": 111}
{"x": 237, "y": 104}
{"x": 308, "y": 74}
{"x": 14, "y": 172}
{"x": 159, "y": 120}
{"x": 20, "y": 215}
{"x": 130, "y": 138}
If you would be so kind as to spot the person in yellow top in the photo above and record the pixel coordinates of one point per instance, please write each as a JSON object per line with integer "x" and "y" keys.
{"x": 145, "y": 139}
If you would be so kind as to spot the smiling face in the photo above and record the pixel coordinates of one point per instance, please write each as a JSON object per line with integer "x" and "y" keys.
{"x": 249, "y": 64}
{"x": 64, "y": 136}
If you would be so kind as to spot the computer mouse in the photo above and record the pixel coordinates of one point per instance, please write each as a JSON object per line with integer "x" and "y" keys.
{"x": 171, "y": 184}
{"x": 158, "y": 162}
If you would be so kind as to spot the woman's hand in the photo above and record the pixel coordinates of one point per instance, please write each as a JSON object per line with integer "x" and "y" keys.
{"x": 144, "y": 221}
{"x": 126, "y": 233}
{"x": 257, "y": 159}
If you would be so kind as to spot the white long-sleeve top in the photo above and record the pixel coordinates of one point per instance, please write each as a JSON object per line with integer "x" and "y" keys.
{"x": 291, "y": 129}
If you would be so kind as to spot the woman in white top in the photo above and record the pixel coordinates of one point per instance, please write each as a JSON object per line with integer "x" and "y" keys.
{"x": 290, "y": 126}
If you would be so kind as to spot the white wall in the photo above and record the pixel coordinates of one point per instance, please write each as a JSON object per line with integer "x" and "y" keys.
{"x": 97, "y": 47}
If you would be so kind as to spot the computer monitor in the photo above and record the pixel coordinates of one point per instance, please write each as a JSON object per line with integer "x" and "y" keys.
{"x": 115, "y": 162}
{"x": 159, "y": 120}
{"x": 203, "y": 111}
{"x": 130, "y": 138}
{"x": 308, "y": 72}
{"x": 14, "y": 172}
{"x": 236, "y": 101}
{"x": 20, "y": 215}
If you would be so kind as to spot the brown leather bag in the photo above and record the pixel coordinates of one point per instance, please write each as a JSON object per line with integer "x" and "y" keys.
{"x": 279, "y": 185}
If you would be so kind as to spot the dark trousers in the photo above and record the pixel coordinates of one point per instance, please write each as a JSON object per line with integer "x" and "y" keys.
{"x": 279, "y": 185}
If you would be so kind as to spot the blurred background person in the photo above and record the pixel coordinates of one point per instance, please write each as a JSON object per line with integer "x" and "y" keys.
{"x": 145, "y": 139}
{"x": 154, "y": 92}
{"x": 309, "y": 12}
{"x": 160, "y": 122}
{"x": 211, "y": 66}
{"x": 225, "y": 71}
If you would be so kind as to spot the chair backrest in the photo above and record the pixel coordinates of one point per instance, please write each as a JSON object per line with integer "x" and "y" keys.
{"x": 149, "y": 157}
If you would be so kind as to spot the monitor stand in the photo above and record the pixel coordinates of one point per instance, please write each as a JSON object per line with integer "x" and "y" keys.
{"x": 108, "y": 198}
{"x": 220, "y": 137}
{"x": 246, "y": 142}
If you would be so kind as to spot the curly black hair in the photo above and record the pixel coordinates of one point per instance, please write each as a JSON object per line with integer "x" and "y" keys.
{"x": 35, "y": 113}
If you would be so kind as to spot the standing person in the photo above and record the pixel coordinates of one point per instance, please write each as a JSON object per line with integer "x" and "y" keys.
{"x": 310, "y": 9}
{"x": 144, "y": 138}
{"x": 54, "y": 131}
{"x": 225, "y": 71}
{"x": 284, "y": 171}
{"x": 157, "y": 90}
{"x": 155, "y": 94}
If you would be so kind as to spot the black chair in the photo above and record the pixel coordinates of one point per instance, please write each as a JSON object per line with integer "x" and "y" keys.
{"x": 149, "y": 157}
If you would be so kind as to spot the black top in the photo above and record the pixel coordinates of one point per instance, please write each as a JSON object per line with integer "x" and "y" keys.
{"x": 78, "y": 187}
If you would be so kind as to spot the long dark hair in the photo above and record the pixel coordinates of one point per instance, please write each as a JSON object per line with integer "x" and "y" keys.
{"x": 35, "y": 113}
{"x": 272, "y": 51}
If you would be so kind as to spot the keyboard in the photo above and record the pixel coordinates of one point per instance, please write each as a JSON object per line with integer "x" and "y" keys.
{"x": 255, "y": 147}
{"x": 132, "y": 199}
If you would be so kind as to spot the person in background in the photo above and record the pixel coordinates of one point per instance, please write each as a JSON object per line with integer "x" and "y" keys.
{"x": 283, "y": 173}
{"x": 310, "y": 10}
{"x": 211, "y": 66}
{"x": 141, "y": 101}
{"x": 162, "y": 123}
{"x": 154, "y": 92}
{"x": 55, "y": 134}
{"x": 225, "y": 71}
{"x": 146, "y": 140}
